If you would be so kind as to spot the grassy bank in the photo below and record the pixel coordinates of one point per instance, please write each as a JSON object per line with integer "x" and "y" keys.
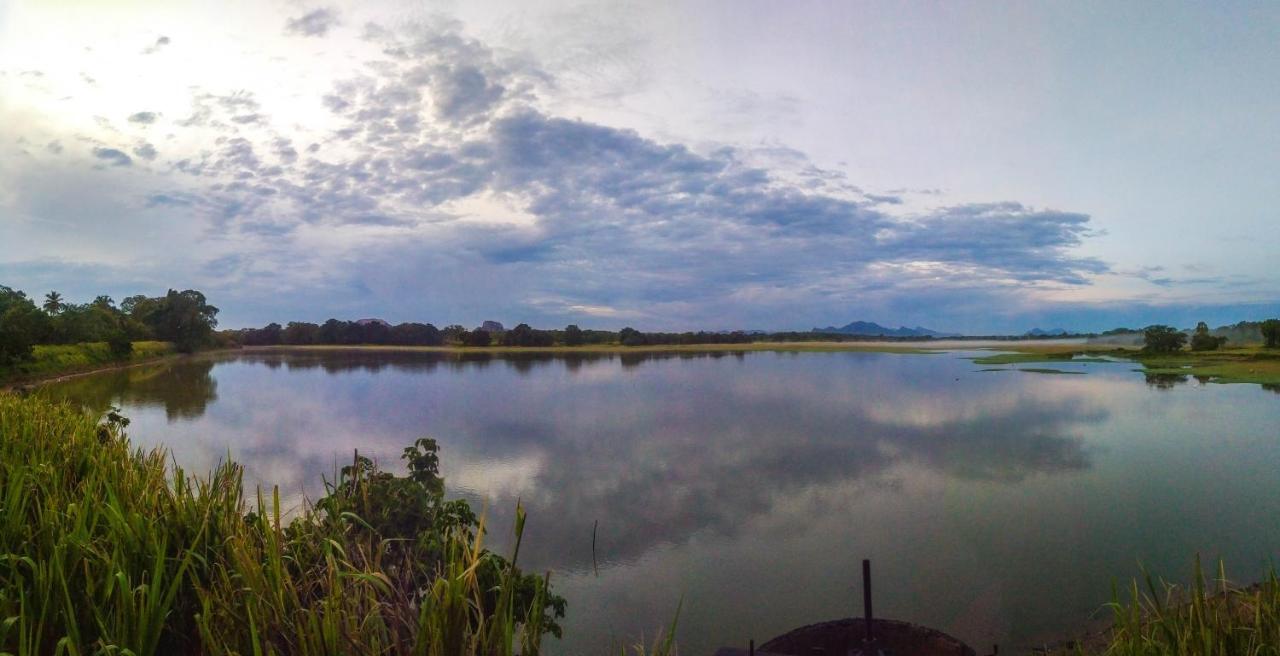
{"x": 104, "y": 550}
{"x": 49, "y": 360}
{"x": 1235, "y": 365}
{"x": 1252, "y": 364}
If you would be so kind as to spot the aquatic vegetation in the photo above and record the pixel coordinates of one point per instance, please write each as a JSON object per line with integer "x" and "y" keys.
{"x": 103, "y": 549}
{"x": 1204, "y": 618}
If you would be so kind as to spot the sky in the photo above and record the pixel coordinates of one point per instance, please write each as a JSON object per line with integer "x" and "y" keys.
{"x": 972, "y": 167}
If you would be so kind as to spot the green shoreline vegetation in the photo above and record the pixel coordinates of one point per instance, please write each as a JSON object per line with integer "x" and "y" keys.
{"x": 1250, "y": 364}
{"x": 105, "y": 549}
{"x": 58, "y": 337}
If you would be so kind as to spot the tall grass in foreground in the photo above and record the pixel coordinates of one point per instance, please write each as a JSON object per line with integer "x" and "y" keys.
{"x": 1205, "y": 618}
{"x": 105, "y": 551}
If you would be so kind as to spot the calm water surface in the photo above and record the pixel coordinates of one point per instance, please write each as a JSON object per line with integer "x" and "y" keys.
{"x": 997, "y": 506}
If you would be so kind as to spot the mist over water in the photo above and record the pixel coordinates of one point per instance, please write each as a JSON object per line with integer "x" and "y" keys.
{"x": 997, "y": 506}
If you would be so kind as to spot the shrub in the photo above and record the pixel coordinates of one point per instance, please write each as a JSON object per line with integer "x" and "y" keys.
{"x": 1201, "y": 340}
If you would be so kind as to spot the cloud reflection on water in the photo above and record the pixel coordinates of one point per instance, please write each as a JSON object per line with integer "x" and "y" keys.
{"x": 655, "y": 450}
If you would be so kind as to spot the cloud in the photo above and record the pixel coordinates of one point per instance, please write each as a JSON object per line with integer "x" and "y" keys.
{"x": 317, "y": 22}
{"x": 112, "y": 156}
{"x": 436, "y": 157}
{"x": 145, "y": 151}
{"x": 155, "y": 47}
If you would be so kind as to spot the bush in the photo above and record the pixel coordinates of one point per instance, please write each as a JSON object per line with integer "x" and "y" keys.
{"x": 1203, "y": 341}
{"x": 120, "y": 345}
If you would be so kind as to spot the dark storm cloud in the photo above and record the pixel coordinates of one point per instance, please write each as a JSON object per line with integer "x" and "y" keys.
{"x": 317, "y": 22}
{"x": 112, "y": 156}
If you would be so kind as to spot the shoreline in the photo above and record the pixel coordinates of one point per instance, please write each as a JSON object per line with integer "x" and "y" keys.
{"x": 1242, "y": 365}
{"x": 69, "y": 374}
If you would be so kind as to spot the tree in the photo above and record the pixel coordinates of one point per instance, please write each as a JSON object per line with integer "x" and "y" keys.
{"x": 271, "y": 333}
{"x": 415, "y": 334}
{"x": 477, "y": 337}
{"x": 573, "y": 335}
{"x": 22, "y": 326}
{"x": 1271, "y": 332}
{"x": 331, "y": 332}
{"x": 524, "y": 335}
{"x": 298, "y": 332}
{"x": 53, "y": 303}
{"x": 184, "y": 318}
{"x": 631, "y": 337}
{"x": 1163, "y": 339}
{"x": 1203, "y": 341}
{"x": 454, "y": 334}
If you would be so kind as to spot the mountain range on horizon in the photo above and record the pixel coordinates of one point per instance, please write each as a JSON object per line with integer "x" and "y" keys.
{"x": 872, "y": 329}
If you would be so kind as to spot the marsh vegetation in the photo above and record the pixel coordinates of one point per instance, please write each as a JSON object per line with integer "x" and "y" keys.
{"x": 106, "y": 549}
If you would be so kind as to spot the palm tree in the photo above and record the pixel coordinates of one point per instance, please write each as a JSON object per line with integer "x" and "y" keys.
{"x": 53, "y": 302}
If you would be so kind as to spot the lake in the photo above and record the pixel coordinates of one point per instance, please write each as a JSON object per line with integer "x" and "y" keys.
{"x": 996, "y": 506}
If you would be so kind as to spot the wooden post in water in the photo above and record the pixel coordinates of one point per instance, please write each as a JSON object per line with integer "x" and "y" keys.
{"x": 866, "y": 600}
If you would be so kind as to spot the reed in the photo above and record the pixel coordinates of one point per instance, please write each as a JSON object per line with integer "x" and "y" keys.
{"x": 1207, "y": 617}
{"x": 106, "y": 549}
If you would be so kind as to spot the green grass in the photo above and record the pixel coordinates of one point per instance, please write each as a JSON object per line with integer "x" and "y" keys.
{"x": 1251, "y": 364}
{"x": 106, "y": 550}
{"x": 1238, "y": 365}
{"x": 1205, "y": 618}
{"x": 56, "y": 359}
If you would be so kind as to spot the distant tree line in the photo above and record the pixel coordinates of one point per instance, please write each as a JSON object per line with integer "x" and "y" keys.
{"x": 1160, "y": 338}
{"x": 1157, "y": 338}
{"x": 374, "y": 332}
{"x": 184, "y": 318}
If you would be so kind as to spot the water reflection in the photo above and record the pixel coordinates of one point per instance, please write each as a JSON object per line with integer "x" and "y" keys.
{"x": 339, "y": 361}
{"x": 751, "y": 484}
{"x": 655, "y": 457}
{"x": 183, "y": 388}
